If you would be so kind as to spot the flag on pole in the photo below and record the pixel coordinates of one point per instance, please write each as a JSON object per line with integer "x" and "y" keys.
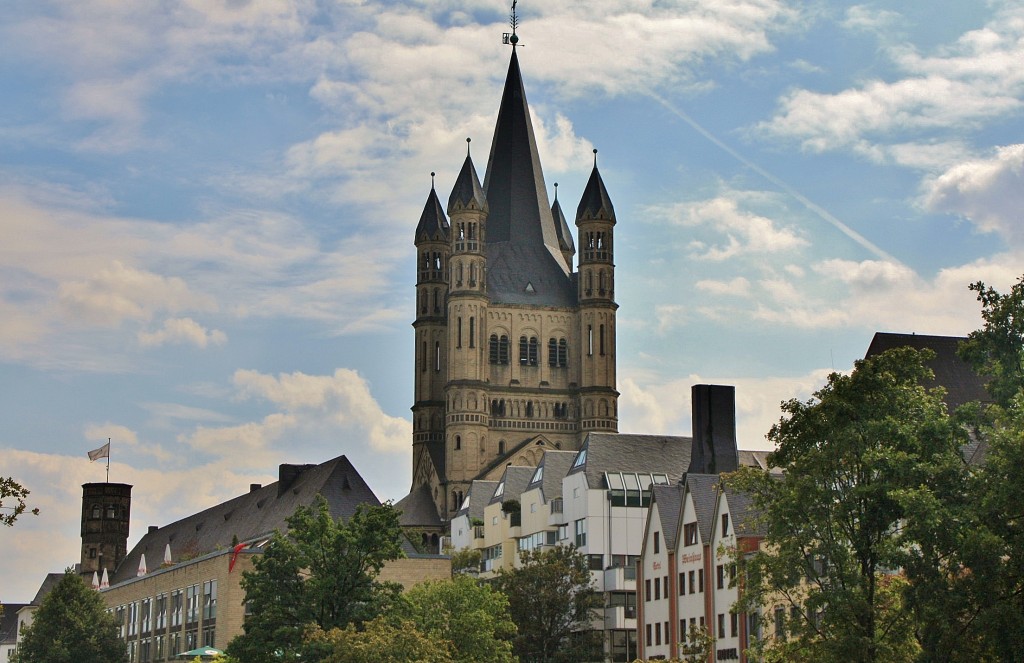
{"x": 102, "y": 452}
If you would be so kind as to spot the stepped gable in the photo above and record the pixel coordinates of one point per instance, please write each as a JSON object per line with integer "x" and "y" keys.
{"x": 252, "y": 516}
{"x": 524, "y": 258}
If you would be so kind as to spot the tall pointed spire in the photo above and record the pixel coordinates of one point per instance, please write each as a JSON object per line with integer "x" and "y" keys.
{"x": 467, "y": 192}
{"x": 433, "y": 223}
{"x": 595, "y": 202}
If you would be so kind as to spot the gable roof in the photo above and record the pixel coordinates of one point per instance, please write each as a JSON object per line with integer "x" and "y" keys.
{"x": 703, "y": 490}
{"x": 418, "y": 508}
{"x": 515, "y": 479}
{"x": 961, "y": 383}
{"x": 744, "y": 517}
{"x": 618, "y": 452}
{"x": 556, "y": 464}
{"x": 479, "y": 495}
{"x": 670, "y": 501}
{"x": 253, "y": 515}
{"x": 9, "y": 623}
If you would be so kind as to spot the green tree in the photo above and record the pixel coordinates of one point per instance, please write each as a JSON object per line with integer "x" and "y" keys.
{"x": 322, "y": 573}
{"x": 997, "y": 349}
{"x": 381, "y": 640}
{"x": 71, "y": 626}
{"x": 12, "y": 490}
{"x": 552, "y": 601}
{"x": 472, "y": 617}
{"x": 871, "y": 452}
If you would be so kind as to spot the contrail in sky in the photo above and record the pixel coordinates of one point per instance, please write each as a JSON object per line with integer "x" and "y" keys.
{"x": 817, "y": 209}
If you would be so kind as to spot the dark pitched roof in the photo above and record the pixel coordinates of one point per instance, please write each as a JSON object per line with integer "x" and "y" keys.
{"x": 516, "y": 479}
{"x": 961, "y": 383}
{"x": 754, "y": 458}
{"x": 617, "y": 452}
{"x": 253, "y": 515}
{"x": 479, "y": 495}
{"x": 467, "y": 192}
{"x": 49, "y": 582}
{"x": 433, "y": 225}
{"x": 595, "y": 203}
{"x": 669, "y": 500}
{"x": 703, "y": 489}
{"x": 418, "y": 508}
{"x": 521, "y": 239}
{"x": 565, "y": 241}
{"x": 9, "y": 623}
{"x": 745, "y": 518}
{"x": 556, "y": 464}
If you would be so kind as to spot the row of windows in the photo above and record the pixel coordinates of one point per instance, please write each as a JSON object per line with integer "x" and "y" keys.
{"x": 112, "y": 511}
{"x": 179, "y": 606}
{"x": 660, "y": 585}
{"x": 529, "y": 352}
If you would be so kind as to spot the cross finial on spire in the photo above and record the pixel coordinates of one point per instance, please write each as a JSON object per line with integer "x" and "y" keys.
{"x": 431, "y": 180}
{"x": 513, "y": 21}
{"x": 468, "y": 141}
{"x": 556, "y": 192}
{"x": 595, "y": 157}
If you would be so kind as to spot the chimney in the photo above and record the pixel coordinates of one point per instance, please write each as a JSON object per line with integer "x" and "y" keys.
{"x": 152, "y": 528}
{"x": 253, "y": 487}
{"x": 714, "y": 429}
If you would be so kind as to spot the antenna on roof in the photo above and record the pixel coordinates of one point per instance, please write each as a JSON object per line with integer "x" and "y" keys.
{"x": 513, "y": 21}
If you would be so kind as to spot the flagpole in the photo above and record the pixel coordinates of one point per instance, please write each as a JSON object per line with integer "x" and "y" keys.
{"x": 108, "y": 460}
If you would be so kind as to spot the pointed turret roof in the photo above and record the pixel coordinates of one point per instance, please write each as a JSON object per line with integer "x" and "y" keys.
{"x": 522, "y": 241}
{"x": 595, "y": 203}
{"x": 433, "y": 223}
{"x": 562, "y": 227}
{"x": 467, "y": 192}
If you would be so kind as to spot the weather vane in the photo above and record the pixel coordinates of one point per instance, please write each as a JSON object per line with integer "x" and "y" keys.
{"x": 513, "y": 21}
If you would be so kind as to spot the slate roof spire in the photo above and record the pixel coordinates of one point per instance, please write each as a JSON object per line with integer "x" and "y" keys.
{"x": 519, "y": 209}
{"x": 562, "y": 227}
{"x": 595, "y": 203}
{"x": 467, "y": 192}
{"x": 433, "y": 223}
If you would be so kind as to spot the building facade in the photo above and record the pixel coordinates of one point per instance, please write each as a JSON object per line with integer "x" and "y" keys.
{"x": 515, "y": 345}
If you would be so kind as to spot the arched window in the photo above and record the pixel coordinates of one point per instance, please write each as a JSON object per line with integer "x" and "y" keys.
{"x": 472, "y": 273}
{"x": 472, "y": 332}
{"x": 458, "y": 442}
{"x": 437, "y": 356}
{"x": 529, "y": 409}
{"x": 503, "y": 349}
{"x": 96, "y": 511}
{"x": 111, "y": 511}
{"x": 492, "y": 349}
{"x": 563, "y": 353}
{"x": 437, "y": 300}
{"x": 533, "y": 351}
{"x": 501, "y": 447}
{"x": 423, "y": 357}
{"x": 458, "y": 327}
{"x": 552, "y": 352}
{"x": 524, "y": 351}
{"x": 423, "y": 301}
{"x": 590, "y": 340}
{"x": 601, "y": 340}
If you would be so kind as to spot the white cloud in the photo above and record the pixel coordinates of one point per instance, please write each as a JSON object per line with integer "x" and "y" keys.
{"x": 182, "y": 331}
{"x": 737, "y": 287}
{"x": 989, "y": 192}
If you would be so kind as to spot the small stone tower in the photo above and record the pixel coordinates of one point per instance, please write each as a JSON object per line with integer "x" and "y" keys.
{"x": 106, "y": 510}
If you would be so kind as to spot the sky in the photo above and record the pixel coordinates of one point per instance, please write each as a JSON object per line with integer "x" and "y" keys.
{"x": 207, "y": 211}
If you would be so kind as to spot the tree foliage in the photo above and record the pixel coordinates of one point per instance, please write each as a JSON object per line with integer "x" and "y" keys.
{"x": 471, "y": 617}
{"x": 997, "y": 349}
{"x": 71, "y": 626}
{"x": 14, "y": 494}
{"x": 871, "y": 452}
{"x": 321, "y": 573}
{"x": 552, "y": 601}
{"x": 380, "y": 640}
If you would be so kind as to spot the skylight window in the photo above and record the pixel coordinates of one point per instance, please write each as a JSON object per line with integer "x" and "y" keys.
{"x": 581, "y": 458}
{"x": 538, "y": 475}
{"x": 500, "y": 490}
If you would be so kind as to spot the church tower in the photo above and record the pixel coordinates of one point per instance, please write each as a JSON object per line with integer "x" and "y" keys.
{"x": 515, "y": 351}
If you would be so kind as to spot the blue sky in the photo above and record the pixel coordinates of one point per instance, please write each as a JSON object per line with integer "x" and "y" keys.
{"x": 207, "y": 210}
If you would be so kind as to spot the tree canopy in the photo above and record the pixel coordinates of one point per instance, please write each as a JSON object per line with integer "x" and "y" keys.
{"x": 14, "y": 494}
{"x": 552, "y": 601}
{"x": 471, "y": 616}
{"x": 320, "y": 573}
{"x": 71, "y": 625}
{"x": 870, "y": 452}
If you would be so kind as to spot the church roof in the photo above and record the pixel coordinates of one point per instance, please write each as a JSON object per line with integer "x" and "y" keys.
{"x": 418, "y": 508}
{"x": 595, "y": 203}
{"x": 562, "y": 227}
{"x": 467, "y": 192}
{"x": 961, "y": 382}
{"x": 433, "y": 224}
{"x": 252, "y": 515}
{"x": 524, "y": 258}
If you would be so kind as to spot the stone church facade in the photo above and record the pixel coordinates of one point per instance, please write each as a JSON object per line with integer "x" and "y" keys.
{"x": 515, "y": 344}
